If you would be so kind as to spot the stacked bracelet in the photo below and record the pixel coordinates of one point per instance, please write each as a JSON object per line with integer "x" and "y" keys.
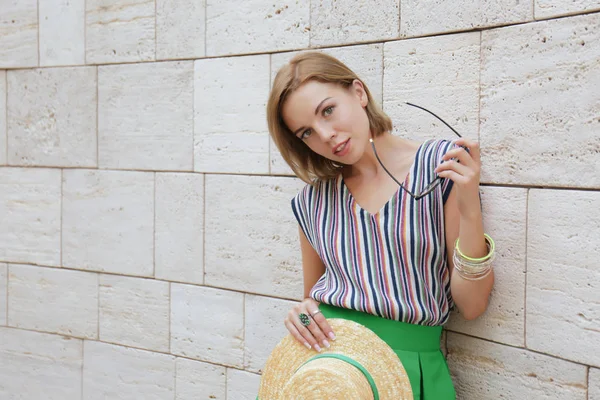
{"x": 473, "y": 269}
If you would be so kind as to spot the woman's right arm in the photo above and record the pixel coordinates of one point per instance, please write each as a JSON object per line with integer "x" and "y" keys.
{"x": 318, "y": 331}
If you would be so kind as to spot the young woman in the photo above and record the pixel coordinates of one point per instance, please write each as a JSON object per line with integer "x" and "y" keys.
{"x": 390, "y": 229}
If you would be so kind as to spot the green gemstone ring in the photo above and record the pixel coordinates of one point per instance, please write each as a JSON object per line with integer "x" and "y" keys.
{"x": 304, "y": 320}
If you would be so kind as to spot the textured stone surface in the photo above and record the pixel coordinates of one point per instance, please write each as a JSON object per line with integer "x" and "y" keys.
{"x": 134, "y": 312}
{"x": 449, "y": 86}
{"x": 251, "y": 235}
{"x": 121, "y": 373}
{"x": 108, "y": 221}
{"x": 179, "y": 236}
{"x": 19, "y": 34}
{"x": 264, "y": 329}
{"x": 196, "y": 380}
{"x": 30, "y": 210}
{"x": 483, "y": 370}
{"x": 241, "y": 385}
{"x": 230, "y": 128}
{"x": 365, "y": 60}
{"x": 352, "y": 21}
{"x": 562, "y": 274}
{"x": 539, "y": 105}
{"x": 62, "y": 32}
{"x": 416, "y": 15}
{"x": 145, "y": 116}
{"x": 180, "y": 29}
{"x": 53, "y": 300}
{"x": 3, "y": 144}
{"x": 207, "y": 324}
{"x": 39, "y": 366}
{"x": 594, "y": 384}
{"x": 52, "y": 117}
{"x": 120, "y": 31}
{"x": 3, "y": 293}
{"x": 505, "y": 214}
{"x": 255, "y": 26}
{"x": 553, "y": 8}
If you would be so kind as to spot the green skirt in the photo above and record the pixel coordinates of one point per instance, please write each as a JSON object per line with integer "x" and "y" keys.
{"x": 417, "y": 346}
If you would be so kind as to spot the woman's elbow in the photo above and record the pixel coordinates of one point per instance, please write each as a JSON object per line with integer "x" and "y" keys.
{"x": 474, "y": 311}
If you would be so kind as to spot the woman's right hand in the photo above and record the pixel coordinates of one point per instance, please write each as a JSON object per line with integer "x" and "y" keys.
{"x": 317, "y": 332}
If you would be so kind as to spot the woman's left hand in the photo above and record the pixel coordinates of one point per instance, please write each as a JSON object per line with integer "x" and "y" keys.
{"x": 464, "y": 174}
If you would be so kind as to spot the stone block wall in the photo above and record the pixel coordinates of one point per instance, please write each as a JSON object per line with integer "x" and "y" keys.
{"x": 147, "y": 245}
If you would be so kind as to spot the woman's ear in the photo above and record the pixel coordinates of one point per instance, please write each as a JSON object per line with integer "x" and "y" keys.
{"x": 359, "y": 90}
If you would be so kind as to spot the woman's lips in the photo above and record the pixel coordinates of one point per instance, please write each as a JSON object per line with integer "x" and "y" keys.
{"x": 342, "y": 149}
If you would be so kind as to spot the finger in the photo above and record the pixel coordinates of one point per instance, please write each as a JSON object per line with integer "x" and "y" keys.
{"x": 316, "y": 331}
{"x": 453, "y": 176}
{"x": 321, "y": 321}
{"x": 458, "y": 154}
{"x": 303, "y": 330}
{"x": 294, "y": 332}
{"x": 473, "y": 147}
{"x": 452, "y": 165}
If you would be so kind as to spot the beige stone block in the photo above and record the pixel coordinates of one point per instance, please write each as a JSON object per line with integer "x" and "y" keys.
{"x": 353, "y": 21}
{"x": 179, "y": 236}
{"x": 230, "y": 128}
{"x": 252, "y": 240}
{"x": 180, "y": 29}
{"x": 108, "y": 221}
{"x": 562, "y": 310}
{"x": 145, "y": 116}
{"x": 3, "y": 293}
{"x": 241, "y": 385}
{"x": 52, "y": 117}
{"x": 120, "y": 31}
{"x": 438, "y": 73}
{"x": 365, "y": 60}
{"x": 30, "y": 208}
{"x": 539, "y": 105}
{"x": 19, "y": 34}
{"x": 199, "y": 380}
{"x": 39, "y": 366}
{"x": 3, "y": 112}
{"x": 53, "y": 300}
{"x": 504, "y": 219}
{"x": 122, "y": 373}
{"x": 594, "y": 384}
{"x": 134, "y": 312}
{"x": 62, "y": 32}
{"x": 256, "y": 26}
{"x": 418, "y": 17}
{"x": 554, "y": 8}
{"x": 484, "y": 370}
{"x": 264, "y": 328}
{"x": 207, "y": 324}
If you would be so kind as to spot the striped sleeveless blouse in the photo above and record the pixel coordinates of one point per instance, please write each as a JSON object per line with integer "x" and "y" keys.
{"x": 391, "y": 264}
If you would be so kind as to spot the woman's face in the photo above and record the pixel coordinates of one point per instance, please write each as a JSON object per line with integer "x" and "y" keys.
{"x": 330, "y": 119}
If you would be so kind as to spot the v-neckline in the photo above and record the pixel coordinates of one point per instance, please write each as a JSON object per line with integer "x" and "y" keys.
{"x": 394, "y": 195}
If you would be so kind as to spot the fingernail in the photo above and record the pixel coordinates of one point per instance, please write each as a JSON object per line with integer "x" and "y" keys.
{"x": 331, "y": 336}
{"x": 317, "y": 348}
{"x": 326, "y": 344}
{"x": 307, "y": 345}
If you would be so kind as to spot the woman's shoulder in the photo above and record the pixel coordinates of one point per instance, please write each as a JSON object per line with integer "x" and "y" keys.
{"x": 317, "y": 188}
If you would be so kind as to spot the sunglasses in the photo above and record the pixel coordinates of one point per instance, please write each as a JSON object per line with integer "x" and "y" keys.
{"x": 433, "y": 184}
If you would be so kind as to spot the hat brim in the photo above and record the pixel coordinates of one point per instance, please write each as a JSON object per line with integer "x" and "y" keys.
{"x": 353, "y": 340}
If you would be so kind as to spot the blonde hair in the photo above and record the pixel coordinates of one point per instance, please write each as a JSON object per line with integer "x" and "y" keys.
{"x": 306, "y": 164}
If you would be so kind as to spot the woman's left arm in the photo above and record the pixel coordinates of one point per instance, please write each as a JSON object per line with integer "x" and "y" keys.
{"x": 463, "y": 220}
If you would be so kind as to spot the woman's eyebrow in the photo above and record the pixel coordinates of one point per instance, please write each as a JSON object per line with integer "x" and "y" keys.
{"x": 316, "y": 112}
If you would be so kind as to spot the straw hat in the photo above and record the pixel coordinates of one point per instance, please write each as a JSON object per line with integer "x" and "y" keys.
{"x": 295, "y": 372}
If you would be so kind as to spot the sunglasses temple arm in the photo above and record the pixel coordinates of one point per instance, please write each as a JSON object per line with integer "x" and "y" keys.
{"x": 444, "y": 122}
{"x": 388, "y": 172}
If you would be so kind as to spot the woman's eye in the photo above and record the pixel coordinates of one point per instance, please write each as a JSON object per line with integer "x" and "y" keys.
{"x": 327, "y": 111}
{"x": 305, "y": 134}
